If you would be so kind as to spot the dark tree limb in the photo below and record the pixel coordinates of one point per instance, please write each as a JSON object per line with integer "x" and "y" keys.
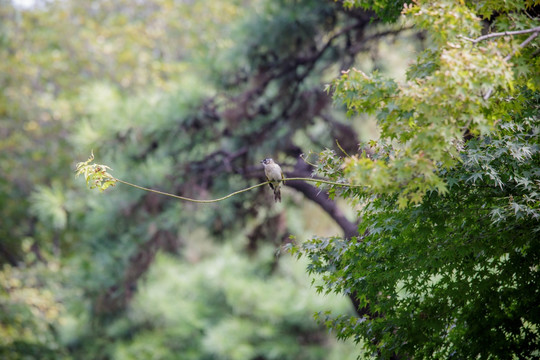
{"x": 350, "y": 229}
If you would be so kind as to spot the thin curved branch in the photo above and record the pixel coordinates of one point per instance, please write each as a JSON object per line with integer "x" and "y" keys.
{"x": 236, "y": 192}
{"x": 189, "y": 199}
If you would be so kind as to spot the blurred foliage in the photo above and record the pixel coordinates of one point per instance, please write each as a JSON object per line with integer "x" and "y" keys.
{"x": 30, "y": 309}
{"x": 387, "y": 10}
{"x": 186, "y": 97}
{"x": 229, "y": 308}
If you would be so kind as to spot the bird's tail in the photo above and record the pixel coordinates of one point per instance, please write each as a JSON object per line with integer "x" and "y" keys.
{"x": 277, "y": 194}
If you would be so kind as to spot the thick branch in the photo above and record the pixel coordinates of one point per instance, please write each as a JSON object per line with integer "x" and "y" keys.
{"x": 361, "y": 45}
{"x": 320, "y": 198}
{"x": 301, "y": 169}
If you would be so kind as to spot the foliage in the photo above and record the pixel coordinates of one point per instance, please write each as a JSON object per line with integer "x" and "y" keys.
{"x": 185, "y": 96}
{"x": 459, "y": 266}
{"x": 387, "y": 10}
{"x": 44, "y": 73}
{"x": 29, "y": 309}
{"x": 188, "y": 96}
{"x": 227, "y": 312}
{"x": 446, "y": 263}
{"x": 420, "y": 114}
{"x": 96, "y": 175}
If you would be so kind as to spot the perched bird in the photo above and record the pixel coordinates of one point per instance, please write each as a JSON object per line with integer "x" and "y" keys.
{"x": 274, "y": 175}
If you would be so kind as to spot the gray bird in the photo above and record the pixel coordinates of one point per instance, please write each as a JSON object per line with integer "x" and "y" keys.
{"x": 274, "y": 174}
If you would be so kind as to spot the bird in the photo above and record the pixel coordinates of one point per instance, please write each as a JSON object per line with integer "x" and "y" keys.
{"x": 274, "y": 174}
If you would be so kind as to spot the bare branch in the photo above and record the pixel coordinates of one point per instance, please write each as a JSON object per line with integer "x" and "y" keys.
{"x": 505, "y": 33}
{"x": 522, "y": 45}
{"x": 509, "y": 56}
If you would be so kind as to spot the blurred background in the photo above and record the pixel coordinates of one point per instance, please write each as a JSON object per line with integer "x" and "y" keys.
{"x": 187, "y": 97}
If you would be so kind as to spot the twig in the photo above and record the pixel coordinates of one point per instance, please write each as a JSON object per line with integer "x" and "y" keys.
{"x": 339, "y": 146}
{"x": 322, "y": 181}
{"x": 189, "y": 199}
{"x": 505, "y": 33}
{"x": 234, "y": 193}
{"x": 302, "y": 156}
{"x": 509, "y": 56}
{"x": 522, "y": 45}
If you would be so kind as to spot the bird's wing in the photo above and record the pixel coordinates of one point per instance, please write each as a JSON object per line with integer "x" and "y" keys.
{"x": 270, "y": 183}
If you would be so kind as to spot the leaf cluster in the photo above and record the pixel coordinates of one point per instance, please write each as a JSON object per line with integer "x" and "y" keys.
{"x": 387, "y": 10}
{"x": 96, "y": 175}
{"x": 446, "y": 261}
{"x": 423, "y": 119}
{"x": 458, "y": 274}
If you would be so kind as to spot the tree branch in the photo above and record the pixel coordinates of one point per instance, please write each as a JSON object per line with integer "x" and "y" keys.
{"x": 509, "y": 56}
{"x": 505, "y": 33}
{"x": 302, "y": 169}
{"x": 522, "y": 45}
{"x": 350, "y": 229}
